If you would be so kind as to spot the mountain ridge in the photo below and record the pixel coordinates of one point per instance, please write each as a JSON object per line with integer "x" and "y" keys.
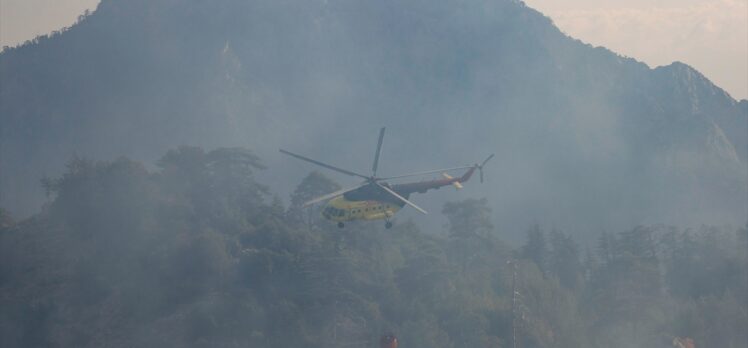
{"x": 139, "y": 77}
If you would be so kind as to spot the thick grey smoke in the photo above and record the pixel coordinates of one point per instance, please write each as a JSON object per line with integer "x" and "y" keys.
{"x": 580, "y": 133}
{"x": 197, "y": 247}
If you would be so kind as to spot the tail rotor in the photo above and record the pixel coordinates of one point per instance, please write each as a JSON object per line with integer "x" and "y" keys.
{"x": 480, "y": 167}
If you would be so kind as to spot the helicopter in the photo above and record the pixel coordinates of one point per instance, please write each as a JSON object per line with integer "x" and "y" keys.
{"x": 374, "y": 198}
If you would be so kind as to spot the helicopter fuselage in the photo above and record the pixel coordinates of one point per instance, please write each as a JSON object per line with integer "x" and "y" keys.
{"x": 370, "y": 202}
{"x": 340, "y": 209}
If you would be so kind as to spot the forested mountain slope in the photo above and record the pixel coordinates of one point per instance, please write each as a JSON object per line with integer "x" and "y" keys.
{"x": 198, "y": 254}
{"x": 585, "y": 138}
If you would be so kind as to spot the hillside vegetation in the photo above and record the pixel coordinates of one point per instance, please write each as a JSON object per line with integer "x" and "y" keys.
{"x": 198, "y": 253}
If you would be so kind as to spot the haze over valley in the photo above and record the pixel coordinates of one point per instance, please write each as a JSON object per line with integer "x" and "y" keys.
{"x": 139, "y": 161}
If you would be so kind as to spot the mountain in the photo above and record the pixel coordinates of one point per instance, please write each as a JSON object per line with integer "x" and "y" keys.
{"x": 580, "y": 133}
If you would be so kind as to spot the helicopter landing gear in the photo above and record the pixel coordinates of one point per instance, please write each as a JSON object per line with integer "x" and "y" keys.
{"x": 388, "y": 224}
{"x": 341, "y": 225}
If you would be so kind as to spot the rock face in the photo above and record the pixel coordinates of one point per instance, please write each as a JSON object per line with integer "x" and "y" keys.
{"x": 584, "y": 138}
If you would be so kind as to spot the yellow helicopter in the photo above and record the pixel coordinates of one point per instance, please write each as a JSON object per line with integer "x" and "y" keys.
{"x": 375, "y": 199}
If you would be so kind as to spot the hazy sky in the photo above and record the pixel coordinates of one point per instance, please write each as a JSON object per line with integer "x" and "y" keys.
{"x": 711, "y": 35}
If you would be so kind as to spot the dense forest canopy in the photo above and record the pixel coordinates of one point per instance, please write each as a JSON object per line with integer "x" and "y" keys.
{"x": 199, "y": 253}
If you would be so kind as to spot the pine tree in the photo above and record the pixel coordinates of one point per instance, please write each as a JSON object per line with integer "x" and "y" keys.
{"x": 535, "y": 248}
{"x": 470, "y": 229}
{"x": 469, "y": 218}
{"x": 564, "y": 260}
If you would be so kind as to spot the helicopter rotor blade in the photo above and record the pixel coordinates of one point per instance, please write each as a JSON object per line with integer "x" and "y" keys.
{"x": 487, "y": 159}
{"x": 376, "y": 155}
{"x": 333, "y": 195}
{"x": 340, "y": 170}
{"x": 425, "y": 172}
{"x": 401, "y": 198}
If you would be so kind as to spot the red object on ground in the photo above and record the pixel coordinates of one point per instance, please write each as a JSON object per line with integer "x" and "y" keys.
{"x": 388, "y": 341}
{"x": 683, "y": 343}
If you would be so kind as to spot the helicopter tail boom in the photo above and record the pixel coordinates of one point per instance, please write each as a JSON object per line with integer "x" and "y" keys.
{"x": 423, "y": 186}
{"x": 456, "y": 184}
